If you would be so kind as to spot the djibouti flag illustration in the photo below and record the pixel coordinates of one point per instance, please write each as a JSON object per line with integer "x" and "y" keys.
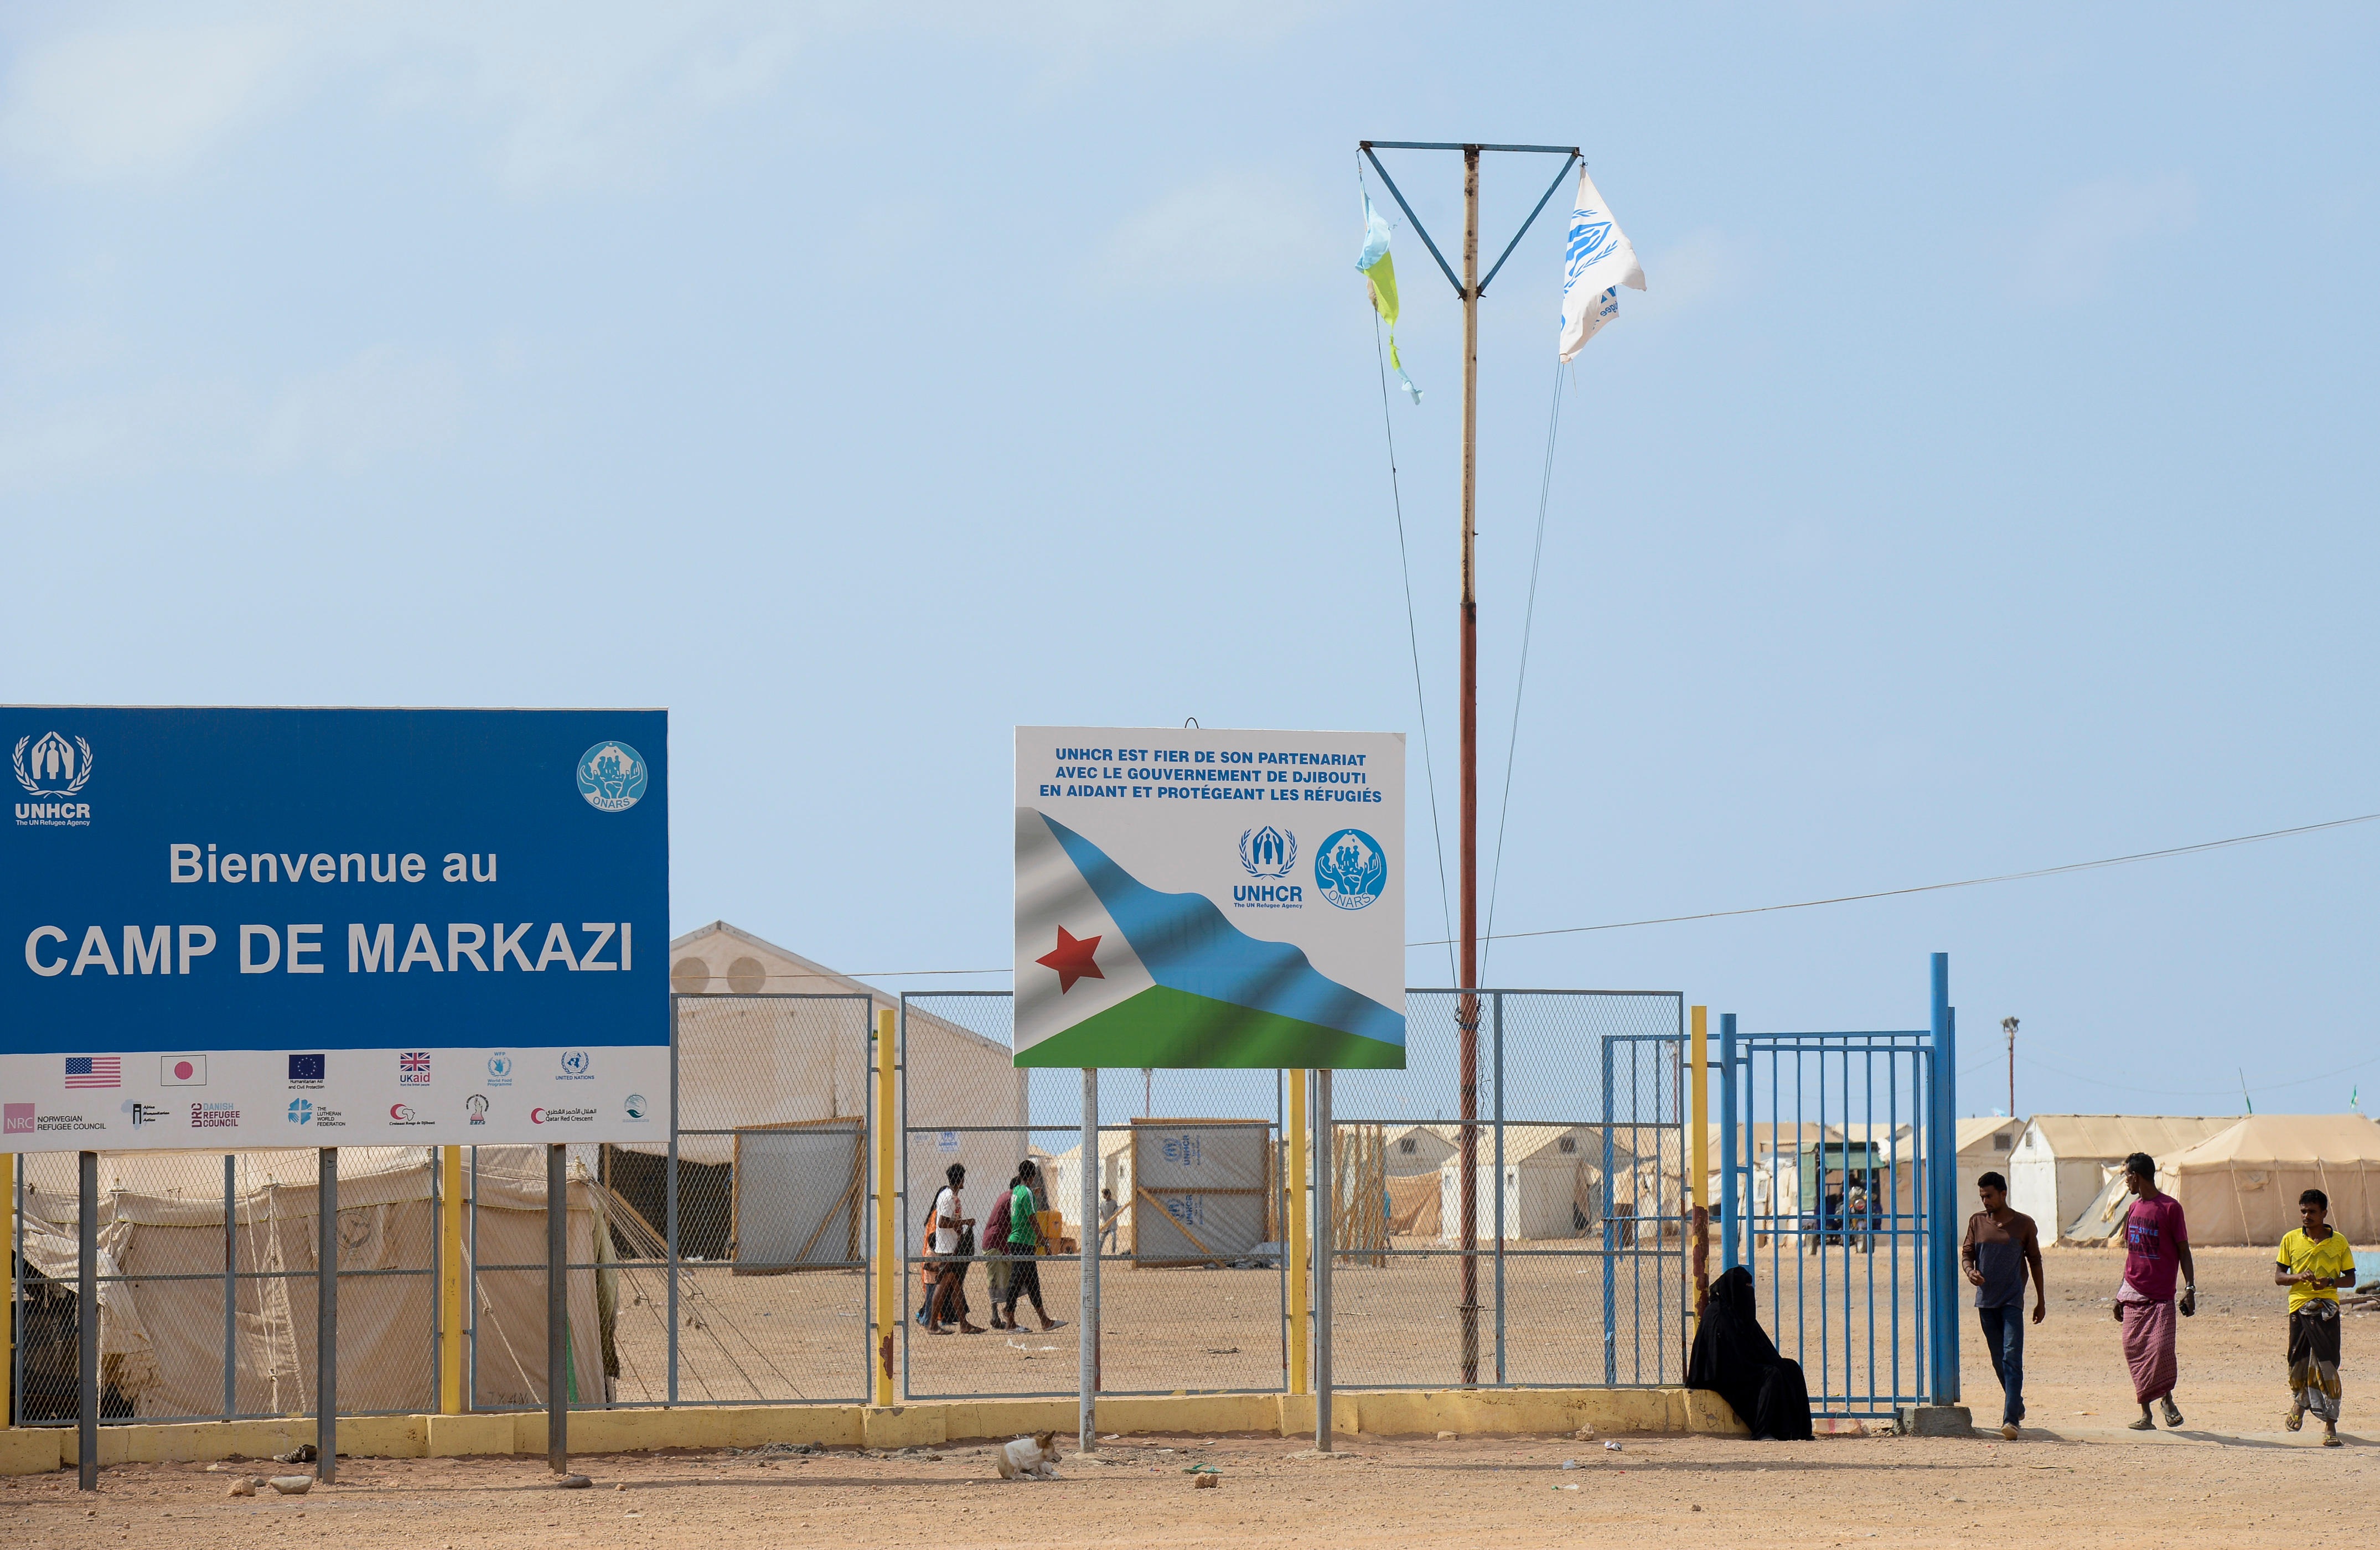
{"x": 1113, "y": 973}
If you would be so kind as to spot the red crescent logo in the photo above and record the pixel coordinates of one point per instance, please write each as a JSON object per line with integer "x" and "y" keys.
{"x": 537, "y": 1116}
{"x": 397, "y": 1111}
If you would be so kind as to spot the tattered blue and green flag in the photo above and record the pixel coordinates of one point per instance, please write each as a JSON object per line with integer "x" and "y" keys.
{"x": 1379, "y": 274}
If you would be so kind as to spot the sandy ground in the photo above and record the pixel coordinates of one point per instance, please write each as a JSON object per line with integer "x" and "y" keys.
{"x": 2076, "y": 1478}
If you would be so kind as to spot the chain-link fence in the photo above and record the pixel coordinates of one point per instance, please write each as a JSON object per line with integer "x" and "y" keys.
{"x": 1569, "y": 1171}
{"x": 725, "y": 1260}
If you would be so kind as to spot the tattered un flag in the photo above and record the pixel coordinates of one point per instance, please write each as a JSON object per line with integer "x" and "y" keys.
{"x": 1379, "y": 272}
{"x": 1598, "y": 261}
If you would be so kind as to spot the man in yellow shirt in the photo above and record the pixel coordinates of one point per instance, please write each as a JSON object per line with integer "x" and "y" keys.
{"x": 2314, "y": 1261}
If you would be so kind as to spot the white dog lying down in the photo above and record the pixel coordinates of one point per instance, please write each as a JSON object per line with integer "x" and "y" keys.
{"x": 1033, "y": 1457}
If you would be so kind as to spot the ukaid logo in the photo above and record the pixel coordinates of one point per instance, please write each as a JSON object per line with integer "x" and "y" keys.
{"x": 560, "y": 1116}
{"x": 413, "y": 1068}
{"x": 52, "y": 766}
{"x": 612, "y": 777}
{"x": 1351, "y": 869}
{"x": 214, "y": 1116}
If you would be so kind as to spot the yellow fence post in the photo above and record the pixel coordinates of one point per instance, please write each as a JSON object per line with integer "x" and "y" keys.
{"x": 888, "y": 1246}
{"x": 1293, "y": 1176}
{"x": 1698, "y": 1057}
{"x": 451, "y": 1340}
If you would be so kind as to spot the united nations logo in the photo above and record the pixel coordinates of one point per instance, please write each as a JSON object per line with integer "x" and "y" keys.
{"x": 1351, "y": 869}
{"x": 1268, "y": 852}
{"x": 612, "y": 777}
{"x": 52, "y": 766}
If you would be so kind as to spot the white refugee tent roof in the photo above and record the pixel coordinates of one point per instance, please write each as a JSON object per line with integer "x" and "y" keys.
{"x": 1976, "y": 1133}
{"x": 2113, "y": 1137}
{"x": 1760, "y": 1137}
{"x": 1110, "y": 1143}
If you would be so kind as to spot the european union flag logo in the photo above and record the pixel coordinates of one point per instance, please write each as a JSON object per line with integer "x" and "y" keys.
{"x": 305, "y": 1068}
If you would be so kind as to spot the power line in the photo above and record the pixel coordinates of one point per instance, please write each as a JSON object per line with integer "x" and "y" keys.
{"x": 1935, "y": 887}
{"x": 1840, "y": 899}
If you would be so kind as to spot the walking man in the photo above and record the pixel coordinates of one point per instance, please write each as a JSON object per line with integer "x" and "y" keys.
{"x": 2156, "y": 1253}
{"x": 950, "y": 1263}
{"x": 1024, "y": 1243}
{"x": 2315, "y": 1263}
{"x": 2000, "y": 1246}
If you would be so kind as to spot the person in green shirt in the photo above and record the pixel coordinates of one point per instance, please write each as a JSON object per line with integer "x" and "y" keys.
{"x": 1024, "y": 1243}
{"x": 2314, "y": 1261}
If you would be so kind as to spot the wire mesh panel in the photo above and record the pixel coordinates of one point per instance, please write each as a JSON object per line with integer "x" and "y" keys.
{"x": 1833, "y": 1178}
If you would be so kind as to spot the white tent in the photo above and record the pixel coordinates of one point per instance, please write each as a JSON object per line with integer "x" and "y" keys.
{"x": 1552, "y": 1184}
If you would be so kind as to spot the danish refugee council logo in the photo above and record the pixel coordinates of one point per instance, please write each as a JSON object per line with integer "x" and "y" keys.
{"x": 612, "y": 777}
{"x": 1351, "y": 869}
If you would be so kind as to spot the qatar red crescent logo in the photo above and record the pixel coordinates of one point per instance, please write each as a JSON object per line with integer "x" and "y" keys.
{"x": 400, "y": 1111}
{"x": 537, "y": 1116}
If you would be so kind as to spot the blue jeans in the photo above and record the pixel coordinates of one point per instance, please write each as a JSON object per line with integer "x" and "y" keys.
{"x": 2004, "y": 1337}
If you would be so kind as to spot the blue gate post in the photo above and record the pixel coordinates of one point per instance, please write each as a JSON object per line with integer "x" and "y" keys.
{"x": 1728, "y": 1208}
{"x": 1611, "y": 1238}
{"x": 1942, "y": 1270}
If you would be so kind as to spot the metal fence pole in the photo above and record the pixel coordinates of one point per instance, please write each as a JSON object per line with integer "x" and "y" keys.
{"x": 669, "y": 1205}
{"x": 1730, "y": 1208}
{"x": 1087, "y": 1378}
{"x": 231, "y": 1288}
{"x": 1941, "y": 1172}
{"x": 326, "y": 1313}
{"x": 471, "y": 1299}
{"x": 451, "y": 1391}
{"x": 1326, "y": 1207}
{"x": 557, "y": 1311}
{"x": 888, "y": 1267}
{"x": 1293, "y": 1175}
{"x": 1496, "y": 1058}
{"x": 87, "y": 1325}
{"x": 1610, "y": 1236}
{"x": 16, "y": 1295}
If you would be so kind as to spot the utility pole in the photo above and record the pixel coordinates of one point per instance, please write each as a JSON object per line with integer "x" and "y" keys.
{"x": 2007, "y": 1027}
{"x": 1468, "y": 289}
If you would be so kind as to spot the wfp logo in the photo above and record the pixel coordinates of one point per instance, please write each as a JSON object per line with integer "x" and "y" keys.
{"x": 53, "y": 767}
{"x": 612, "y": 777}
{"x": 1351, "y": 869}
{"x": 1268, "y": 852}
{"x": 300, "y": 1112}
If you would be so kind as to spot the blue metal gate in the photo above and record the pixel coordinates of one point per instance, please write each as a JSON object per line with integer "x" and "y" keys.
{"x": 1838, "y": 1167}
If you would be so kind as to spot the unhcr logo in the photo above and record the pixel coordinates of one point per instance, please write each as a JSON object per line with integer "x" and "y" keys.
{"x": 52, "y": 766}
{"x": 1268, "y": 852}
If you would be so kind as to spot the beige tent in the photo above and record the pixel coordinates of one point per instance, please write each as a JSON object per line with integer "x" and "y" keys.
{"x": 2242, "y": 1184}
{"x": 162, "y": 1214}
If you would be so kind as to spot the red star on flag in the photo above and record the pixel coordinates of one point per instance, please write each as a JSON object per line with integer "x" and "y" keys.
{"x": 1072, "y": 958}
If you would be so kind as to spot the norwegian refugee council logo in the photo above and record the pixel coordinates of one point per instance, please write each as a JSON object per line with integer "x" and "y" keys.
{"x": 1351, "y": 870}
{"x": 612, "y": 777}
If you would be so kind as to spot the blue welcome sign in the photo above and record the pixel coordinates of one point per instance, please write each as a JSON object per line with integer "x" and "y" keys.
{"x": 252, "y": 927}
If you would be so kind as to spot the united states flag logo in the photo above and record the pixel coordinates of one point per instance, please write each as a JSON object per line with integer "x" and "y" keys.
{"x": 94, "y": 1070}
{"x": 413, "y": 1068}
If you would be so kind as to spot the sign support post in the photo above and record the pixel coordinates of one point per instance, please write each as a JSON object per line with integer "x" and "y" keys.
{"x": 450, "y": 1281}
{"x": 1089, "y": 1341}
{"x": 1293, "y": 1236}
{"x": 326, "y": 1313}
{"x": 1326, "y": 1207}
{"x": 87, "y": 1325}
{"x": 557, "y": 1309}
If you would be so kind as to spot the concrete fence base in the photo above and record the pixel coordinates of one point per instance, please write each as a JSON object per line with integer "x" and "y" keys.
{"x": 1400, "y": 1412}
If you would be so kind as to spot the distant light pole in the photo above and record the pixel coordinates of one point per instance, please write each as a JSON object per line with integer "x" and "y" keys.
{"x": 2008, "y": 1026}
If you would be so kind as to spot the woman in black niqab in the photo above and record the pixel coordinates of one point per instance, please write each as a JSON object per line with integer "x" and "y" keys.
{"x": 1734, "y": 1358}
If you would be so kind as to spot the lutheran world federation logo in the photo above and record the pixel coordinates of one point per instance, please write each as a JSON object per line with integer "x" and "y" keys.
{"x": 612, "y": 777}
{"x": 1351, "y": 869}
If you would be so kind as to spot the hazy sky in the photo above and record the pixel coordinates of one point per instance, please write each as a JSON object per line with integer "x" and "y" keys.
{"x": 1984, "y": 483}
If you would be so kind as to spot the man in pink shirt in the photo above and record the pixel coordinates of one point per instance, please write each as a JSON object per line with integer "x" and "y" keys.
{"x": 2156, "y": 1253}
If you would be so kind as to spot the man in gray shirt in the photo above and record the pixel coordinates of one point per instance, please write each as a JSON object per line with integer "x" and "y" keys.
{"x": 1999, "y": 1245}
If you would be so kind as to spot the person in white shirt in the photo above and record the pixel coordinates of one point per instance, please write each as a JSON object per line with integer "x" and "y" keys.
{"x": 950, "y": 1296}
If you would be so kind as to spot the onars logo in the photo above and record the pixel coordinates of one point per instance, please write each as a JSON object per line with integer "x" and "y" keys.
{"x": 612, "y": 777}
{"x": 51, "y": 765}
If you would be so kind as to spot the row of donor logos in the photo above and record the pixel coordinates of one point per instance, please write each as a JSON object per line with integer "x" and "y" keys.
{"x": 26, "y": 1119}
{"x": 611, "y": 777}
{"x": 91, "y": 1071}
{"x": 1350, "y": 870}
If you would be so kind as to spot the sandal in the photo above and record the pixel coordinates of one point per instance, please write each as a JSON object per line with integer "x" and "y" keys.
{"x": 2330, "y": 1439}
{"x": 2295, "y": 1420}
{"x": 2143, "y": 1424}
{"x": 2172, "y": 1413}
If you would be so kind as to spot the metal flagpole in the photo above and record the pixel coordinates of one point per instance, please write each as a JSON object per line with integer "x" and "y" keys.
{"x": 1467, "y": 1021}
